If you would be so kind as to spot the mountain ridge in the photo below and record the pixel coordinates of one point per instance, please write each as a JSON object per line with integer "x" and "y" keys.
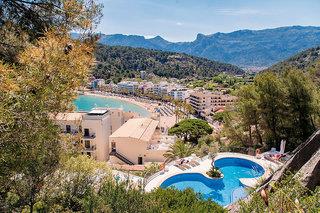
{"x": 243, "y": 48}
{"x": 303, "y": 60}
{"x": 115, "y": 62}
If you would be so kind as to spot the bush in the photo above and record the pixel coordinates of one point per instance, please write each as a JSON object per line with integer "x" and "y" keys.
{"x": 214, "y": 172}
{"x": 191, "y": 130}
{"x": 286, "y": 196}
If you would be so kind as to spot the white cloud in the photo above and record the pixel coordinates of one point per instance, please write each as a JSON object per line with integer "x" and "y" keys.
{"x": 237, "y": 12}
{"x": 179, "y": 24}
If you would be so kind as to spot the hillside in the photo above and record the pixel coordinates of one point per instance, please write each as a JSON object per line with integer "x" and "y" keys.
{"x": 116, "y": 62}
{"x": 302, "y": 60}
{"x": 243, "y": 48}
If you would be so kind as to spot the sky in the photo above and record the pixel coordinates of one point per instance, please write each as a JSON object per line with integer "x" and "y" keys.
{"x": 182, "y": 20}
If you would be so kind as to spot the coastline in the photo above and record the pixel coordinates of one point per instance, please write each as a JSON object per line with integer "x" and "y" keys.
{"x": 150, "y": 107}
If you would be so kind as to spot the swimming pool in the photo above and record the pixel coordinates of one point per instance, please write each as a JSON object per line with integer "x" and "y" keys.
{"x": 225, "y": 190}
{"x": 88, "y": 102}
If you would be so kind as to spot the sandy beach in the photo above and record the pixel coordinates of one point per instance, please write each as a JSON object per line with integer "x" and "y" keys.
{"x": 165, "y": 121}
{"x": 148, "y": 105}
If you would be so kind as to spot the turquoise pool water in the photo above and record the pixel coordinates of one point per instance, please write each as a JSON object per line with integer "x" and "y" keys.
{"x": 223, "y": 191}
{"x": 88, "y": 102}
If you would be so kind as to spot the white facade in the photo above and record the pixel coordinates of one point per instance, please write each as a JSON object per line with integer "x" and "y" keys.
{"x": 129, "y": 86}
{"x": 95, "y": 128}
{"x": 146, "y": 86}
{"x": 163, "y": 88}
{"x": 180, "y": 94}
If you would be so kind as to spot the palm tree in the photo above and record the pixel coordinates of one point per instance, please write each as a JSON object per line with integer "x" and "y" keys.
{"x": 178, "y": 150}
{"x": 188, "y": 109}
{"x": 177, "y": 110}
{"x": 178, "y": 114}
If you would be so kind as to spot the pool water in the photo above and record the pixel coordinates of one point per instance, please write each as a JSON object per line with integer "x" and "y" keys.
{"x": 88, "y": 102}
{"x": 223, "y": 191}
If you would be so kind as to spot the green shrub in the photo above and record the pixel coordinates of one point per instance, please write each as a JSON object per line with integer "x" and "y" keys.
{"x": 214, "y": 172}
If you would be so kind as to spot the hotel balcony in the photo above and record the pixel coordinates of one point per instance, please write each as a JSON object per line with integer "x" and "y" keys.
{"x": 90, "y": 149}
{"x": 72, "y": 132}
{"x": 89, "y": 136}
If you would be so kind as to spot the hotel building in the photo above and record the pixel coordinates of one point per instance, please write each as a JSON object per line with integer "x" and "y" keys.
{"x": 180, "y": 94}
{"x": 203, "y": 102}
{"x": 116, "y": 136}
{"x": 95, "y": 128}
{"x": 139, "y": 141}
{"x": 163, "y": 88}
{"x": 128, "y": 86}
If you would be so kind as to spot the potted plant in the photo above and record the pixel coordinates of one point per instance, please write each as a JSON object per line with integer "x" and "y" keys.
{"x": 215, "y": 173}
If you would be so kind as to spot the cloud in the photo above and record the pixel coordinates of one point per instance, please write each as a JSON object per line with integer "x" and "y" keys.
{"x": 237, "y": 12}
{"x": 179, "y": 24}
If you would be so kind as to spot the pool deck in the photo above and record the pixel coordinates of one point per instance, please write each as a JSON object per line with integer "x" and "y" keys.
{"x": 204, "y": 166}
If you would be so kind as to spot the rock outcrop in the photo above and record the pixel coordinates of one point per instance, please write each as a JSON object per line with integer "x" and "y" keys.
{"x": 309, "y": 174}
{"x": 301, "y": 155}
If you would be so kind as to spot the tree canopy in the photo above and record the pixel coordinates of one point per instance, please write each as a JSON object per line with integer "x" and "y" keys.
{"x": 24, "y": 21}
{"x": 38, "y": 79}
{"x": 119, "y": 62}
{"x": 275, "y": 107}
{"x": 178, "y": 150}
{"x": 191, "y": 129}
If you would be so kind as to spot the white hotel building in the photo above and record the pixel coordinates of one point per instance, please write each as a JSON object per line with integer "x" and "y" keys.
{"x": 128, "y": 86}
{"x": 95, "y": 126}
{"x": 163, "y": 88}
{"x": 203, "y": 102}
{"x": 180, "y": 94}
{"x": 116, "y": 136}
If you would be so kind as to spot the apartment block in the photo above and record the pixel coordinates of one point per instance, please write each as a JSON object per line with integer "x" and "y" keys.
{"x": 163, "y": 88}
{"x": 204, "y": 102}
{"x": 128, "y": 86}
{"x": 146, "y": 87}
{"x": 180, "y": 94}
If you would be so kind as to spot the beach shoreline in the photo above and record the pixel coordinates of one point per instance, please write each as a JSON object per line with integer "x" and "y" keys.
{"x": 165, "y": 121}
{"x": 150, "y": 107}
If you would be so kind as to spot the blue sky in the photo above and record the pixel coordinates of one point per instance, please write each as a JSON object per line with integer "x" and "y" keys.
{"x": 182, "y": 20}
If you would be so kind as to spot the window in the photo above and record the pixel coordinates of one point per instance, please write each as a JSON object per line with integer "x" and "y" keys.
{"x": 87, "y": 144}
{"x": 86, "y": 132}
{"x": 113, "y": 146}
{"x": 140, "y": 160}
{"x": 68, "y": 128}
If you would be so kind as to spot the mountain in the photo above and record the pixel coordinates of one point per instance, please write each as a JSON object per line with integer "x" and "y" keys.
{"x": 115, "y": 62}
{"x": 245, "y": 48}
{"x": 303, "y": 60}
